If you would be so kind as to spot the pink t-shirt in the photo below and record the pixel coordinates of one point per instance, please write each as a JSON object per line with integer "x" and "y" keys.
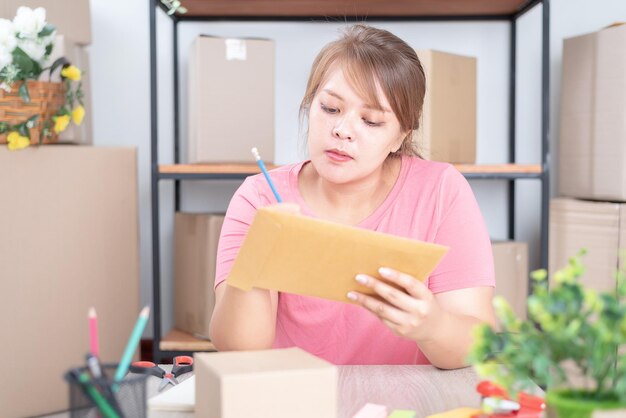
{"x": 430, "y": 201}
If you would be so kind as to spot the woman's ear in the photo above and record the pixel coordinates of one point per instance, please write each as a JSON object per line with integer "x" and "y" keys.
{"x": 400, "y": 141}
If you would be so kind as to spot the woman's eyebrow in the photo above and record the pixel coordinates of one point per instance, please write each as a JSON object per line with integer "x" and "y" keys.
{"x": 332, "y": 93}
{"x": 367, "y": 106}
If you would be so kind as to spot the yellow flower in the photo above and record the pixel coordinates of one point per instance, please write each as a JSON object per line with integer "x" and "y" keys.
{"x": 78, "y": 114}
{"x": 61, "y": 122}
{"x": 17, "y": 141}
{"x": 71, "y": 72}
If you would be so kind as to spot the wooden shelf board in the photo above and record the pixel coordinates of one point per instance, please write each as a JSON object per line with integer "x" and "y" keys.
{"x": 350, "y": 8}
{"x": 499, "y": 168}
{"x": 253, "y": 168}
{"x": 243, "y": 168}
{"x": 177, "y": 340}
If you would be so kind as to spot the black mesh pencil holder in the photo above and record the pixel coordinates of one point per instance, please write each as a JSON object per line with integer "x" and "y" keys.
{"x": 101, "y": 397}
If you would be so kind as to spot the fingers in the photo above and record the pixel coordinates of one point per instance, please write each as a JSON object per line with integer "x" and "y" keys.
{"x": 402, "y": 302}
{"x": 394, "y": 296}
{"x": 412, "y": 286}
{"x": 380, "y": 308}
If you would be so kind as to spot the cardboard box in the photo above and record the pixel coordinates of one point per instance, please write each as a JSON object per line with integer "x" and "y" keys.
{"x": 510, "y": 260}
{"x": 196, "y": 238}
{"x": 448, "y": 128}
{"x": 592, "y": 149}
{"x": 69, "y": 241}
{"x": 72, "y": 18}
{"x": 598, "y": 227}
{"x": 231, "y": 99}
{"x": 279, "y": 383}
{"x": 77, "y": 55}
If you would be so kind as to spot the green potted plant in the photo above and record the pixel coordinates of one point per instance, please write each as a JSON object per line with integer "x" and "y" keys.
{"x": 573, "y": 344}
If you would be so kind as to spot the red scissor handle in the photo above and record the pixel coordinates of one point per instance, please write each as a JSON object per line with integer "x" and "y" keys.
{"x": 147, "y": 367}
{"x": 182, "y": 364}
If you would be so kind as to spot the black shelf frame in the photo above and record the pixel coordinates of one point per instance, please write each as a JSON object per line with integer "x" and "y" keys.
{"x": 156, "y": 175}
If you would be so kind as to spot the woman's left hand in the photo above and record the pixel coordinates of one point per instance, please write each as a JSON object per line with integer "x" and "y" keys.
{"x": 410, "y": 311}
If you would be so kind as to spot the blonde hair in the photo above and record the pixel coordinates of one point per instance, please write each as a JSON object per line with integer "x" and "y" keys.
{"x": 369, "y": 56}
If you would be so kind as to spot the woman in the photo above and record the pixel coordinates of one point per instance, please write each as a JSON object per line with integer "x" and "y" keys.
{"x": 363, "y": 101}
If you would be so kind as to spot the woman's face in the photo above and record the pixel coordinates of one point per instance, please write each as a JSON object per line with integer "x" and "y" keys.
{"x": 349, "y": 139}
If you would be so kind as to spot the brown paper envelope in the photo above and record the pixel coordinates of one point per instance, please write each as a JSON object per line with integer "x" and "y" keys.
{"x": 306, "y": 256}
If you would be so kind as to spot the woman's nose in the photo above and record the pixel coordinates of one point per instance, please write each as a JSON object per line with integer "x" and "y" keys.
{"x": 342, "y": 131}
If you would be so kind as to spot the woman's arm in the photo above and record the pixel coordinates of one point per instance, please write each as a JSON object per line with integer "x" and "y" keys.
{"x": 243, "y": 320}
{"x": 440, "y": 324}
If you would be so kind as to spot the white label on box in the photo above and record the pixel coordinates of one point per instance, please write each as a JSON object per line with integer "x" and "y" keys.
{"x": 235, "y": 49}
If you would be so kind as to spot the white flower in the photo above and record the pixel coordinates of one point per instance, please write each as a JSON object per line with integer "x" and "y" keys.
{"x": 28, "y": 22}
{"x": 34, "y": 48}
{"x": 7, "y": 42}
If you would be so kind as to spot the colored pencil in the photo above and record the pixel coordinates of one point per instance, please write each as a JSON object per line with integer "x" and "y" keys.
{"x": 131, "y": 346}
{"x": 259, "y": 161}
{"x": 94, "y": 347}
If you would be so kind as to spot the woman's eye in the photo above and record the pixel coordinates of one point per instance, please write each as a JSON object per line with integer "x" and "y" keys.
{"x": 370, "y": 123}
{"x": 330, "y": 110}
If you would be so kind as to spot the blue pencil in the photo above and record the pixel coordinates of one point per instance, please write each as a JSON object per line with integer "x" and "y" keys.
{"x": 122, "y": 367}
{"x": 259, "y": 161}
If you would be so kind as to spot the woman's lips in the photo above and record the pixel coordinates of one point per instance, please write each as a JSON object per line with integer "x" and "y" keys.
{"x": 338, "y": 156}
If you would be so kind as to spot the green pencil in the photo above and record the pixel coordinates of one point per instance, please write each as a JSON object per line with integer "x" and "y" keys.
{"x": 122, "y": 367}
{"x": 100, "y": 401}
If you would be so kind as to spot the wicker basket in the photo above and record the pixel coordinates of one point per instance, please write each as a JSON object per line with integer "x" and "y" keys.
{"x": 46, "y": 98}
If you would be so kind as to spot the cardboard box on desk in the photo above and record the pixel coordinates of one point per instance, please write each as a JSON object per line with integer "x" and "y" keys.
{"x": 231, "y": 99}
{"x": 275, "y": 256}
{"x": 280, "y": 383}
{"x": 592, "y": 148}
{"x": 77, "y": 55}
{"x": 510, "y": 259}
{"x": 598, "y": 227}
{"x": 196, "y": 239}
{"x": 72, "y": 18}
{"x": 68, "y": 241}
{"x": 448, "y": 127}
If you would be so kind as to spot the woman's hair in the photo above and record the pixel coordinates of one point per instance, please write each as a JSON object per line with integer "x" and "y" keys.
{"x": 369, "y": 56}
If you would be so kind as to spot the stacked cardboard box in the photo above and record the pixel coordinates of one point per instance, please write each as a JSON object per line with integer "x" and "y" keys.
{"x": 68, "y": 241}
{"x": 598, "y": 227}
{"x": 593, "y": 108}
{"x": 231, "y": 99}
{"x": 592, "y": 148}
{"x": 510, "y": 259}
{"x": 196, "y": 238}
{"x": 448, "y": 127}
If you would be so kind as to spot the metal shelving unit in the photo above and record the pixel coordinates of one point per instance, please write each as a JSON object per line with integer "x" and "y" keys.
{"x": 303, "y": 10}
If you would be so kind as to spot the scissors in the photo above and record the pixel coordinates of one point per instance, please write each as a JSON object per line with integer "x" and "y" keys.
{"x": 182, "y": 365}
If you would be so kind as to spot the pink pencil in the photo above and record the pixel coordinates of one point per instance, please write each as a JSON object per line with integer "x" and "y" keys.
{"x": 93, "y": 332}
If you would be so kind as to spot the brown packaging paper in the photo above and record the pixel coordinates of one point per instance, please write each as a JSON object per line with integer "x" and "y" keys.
{"x": 297, "y": 254}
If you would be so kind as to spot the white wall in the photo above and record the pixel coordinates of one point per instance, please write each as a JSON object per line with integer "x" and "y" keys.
{"x": 120, "y": 74}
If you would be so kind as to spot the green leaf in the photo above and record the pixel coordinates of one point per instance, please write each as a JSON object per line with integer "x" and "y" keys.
{"x": 23, "y": 130}
{"x": 58, "y": 62}
{"x": 23, "y": 92}
{"x": 22, "y": 60}
{"x": 4, "y": 127}
{"x": 47, "y": 30}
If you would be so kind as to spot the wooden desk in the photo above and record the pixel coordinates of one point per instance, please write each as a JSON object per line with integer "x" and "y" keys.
{"x": 424, "y": 389}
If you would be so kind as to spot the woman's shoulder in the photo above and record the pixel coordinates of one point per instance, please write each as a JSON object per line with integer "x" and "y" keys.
{"x": 420, "y": 170}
